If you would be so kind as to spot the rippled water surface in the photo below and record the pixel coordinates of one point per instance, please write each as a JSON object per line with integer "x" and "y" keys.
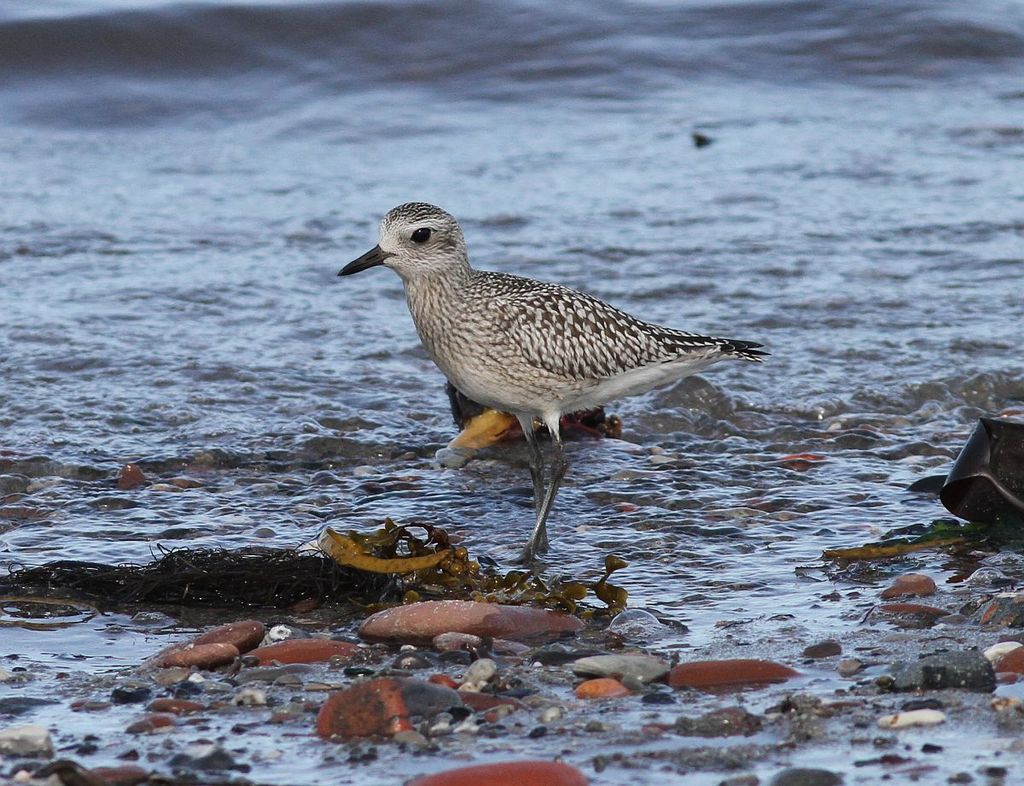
{"x": 180, "y": 184}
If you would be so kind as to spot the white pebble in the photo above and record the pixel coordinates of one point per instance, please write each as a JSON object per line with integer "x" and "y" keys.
{"x": 912, "y": 718}
{"x": 468, "y": 726}
{"x": 479, "y": 673}
{"x": 551, "y": 714}
{"x": 997, "y": 651}
{"x": 250, "y": 697}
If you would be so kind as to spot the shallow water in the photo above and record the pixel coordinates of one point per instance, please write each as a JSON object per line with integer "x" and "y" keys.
{"x": 180, "y": 184}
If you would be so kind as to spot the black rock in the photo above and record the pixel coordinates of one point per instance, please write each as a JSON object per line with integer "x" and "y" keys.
{"x": 800, "y": 776}
{"x": 130, "y": 694}
{"x": 968, "y": 670}
{"x": 16, "y": 705}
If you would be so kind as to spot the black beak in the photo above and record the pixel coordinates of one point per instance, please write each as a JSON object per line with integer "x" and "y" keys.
{"x": 375, "y": 256}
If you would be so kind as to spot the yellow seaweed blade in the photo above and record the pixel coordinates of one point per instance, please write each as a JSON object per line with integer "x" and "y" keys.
{"x": 343, "y": 550}
{"x": 485, "y": 429}
{"x": 881, "y": 551}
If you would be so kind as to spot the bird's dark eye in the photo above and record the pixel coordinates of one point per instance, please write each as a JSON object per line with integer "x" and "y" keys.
{"x": 421, "y": 235}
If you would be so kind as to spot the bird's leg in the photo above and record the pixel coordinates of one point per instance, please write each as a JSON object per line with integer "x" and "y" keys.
{"x": 538, "y": 542}
{"x": 536, "y": 460}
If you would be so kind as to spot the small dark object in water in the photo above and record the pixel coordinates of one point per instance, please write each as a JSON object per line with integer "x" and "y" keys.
{"x": 253, "y": 577}
{"x": 986, "y": 483}
{"x": 701, "y": 140}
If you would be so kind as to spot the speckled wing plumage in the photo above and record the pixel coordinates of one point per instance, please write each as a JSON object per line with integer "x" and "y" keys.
{"x": 578, "y": 337}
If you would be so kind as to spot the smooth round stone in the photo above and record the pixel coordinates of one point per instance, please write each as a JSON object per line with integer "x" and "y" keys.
{"x": 736, "y": 673}
{"x": 826, "y": 649}
{"x": 601, "y": 688}
{"x": 448, "y": 642}
{"x": 997, "y": 652}
{"x": 382, "y": 706}
{"x": 421, "y": 622}
{"x": 900, "y": 720}
{"x": 645, "y": 668}
{"x": 303, "y": 651}
{"x": 175, "y": 706}
{"x": 26, "y": 741}
{"x": 910, "y": 584}
{"x": 480, "y": 672}
{"x": 512, "y": 773}
{"x": 1011, "y": 661}
{"x": 806, "y": 776}
{"x": 202, "y": 656}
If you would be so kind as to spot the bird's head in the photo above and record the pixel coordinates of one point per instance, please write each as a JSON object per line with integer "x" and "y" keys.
{"x": 416, "y": 239}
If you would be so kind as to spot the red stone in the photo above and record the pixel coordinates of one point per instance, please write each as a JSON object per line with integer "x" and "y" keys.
{"x": 443, "y": 679}
{"x": 509, "y": 773}
{"x": 912, "y": 610}
{"x": 203, "y": 656}
{"x": 130, "y": 477}
{"x": 382, "y": 706}
{"x": 802, "y": 461}
{"x": 728, "y": 673}
{"x": 175, "y": 706}
{"x": 421, "y": 622}
{"x": 244, "y": 634}
{"x": 601, "y": 688}
{"x": 303, "y": 651}
{"x": 150, "y": 723}
{"x": 480, "y": 702}
{"x": 126, "y": 775}
{"x": 910, "y": 584}
{"x": 1011, "y": 661}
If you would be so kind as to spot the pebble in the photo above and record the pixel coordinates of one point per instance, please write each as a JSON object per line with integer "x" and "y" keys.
{"x": 421, "y": 622}
{"x": 512, "y": 773}
{"x": 448, "y": 642}
{"x": 912, "y": 718}
{"x": 125, "y": 775}
{"x": 478, "y": 674}
{"x": 171, "y": 676}
{"x": 1012, "y": 661}
{"x": 28, "y": 741}
{"x": 274, "y": 674}
{"x": 152, "y": 722}
{"x": 601, "y": 688}
{"x": 735, "y": 673}
{"x": 130, "y": 694}
{"x": 202, "y": 656}
{"x": 481, "y": 702}
{"x": 382, "y": 706}
{"x": 801, "y": 776}
{"x": 175, "y": 706}
{"x": 917, "y": 611}
{"x": 997, "y": 651}
{"x": 847, "y": 667}
{"x": 825, "y": 649}
{"x": 303, "y": 651}
{"x": 645, "y": 668}
{"x": 966, "y": 669}
{"x": 910, "y": 584}
{"x": 205, "y": 756}
{"x": 250, "y": 697}
{"x": 551, "y": 714}
{"x": 1006, "y": 610}
{"x": 130, "y": 477}
{"x": 725, "y": 722}
{"x": 244, "y": 635}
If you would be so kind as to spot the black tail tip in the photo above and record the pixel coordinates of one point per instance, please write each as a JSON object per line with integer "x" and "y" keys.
{"x": 746, "y": 350}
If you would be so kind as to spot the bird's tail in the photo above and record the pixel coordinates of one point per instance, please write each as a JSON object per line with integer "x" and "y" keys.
{"x": 743, "y": 350}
